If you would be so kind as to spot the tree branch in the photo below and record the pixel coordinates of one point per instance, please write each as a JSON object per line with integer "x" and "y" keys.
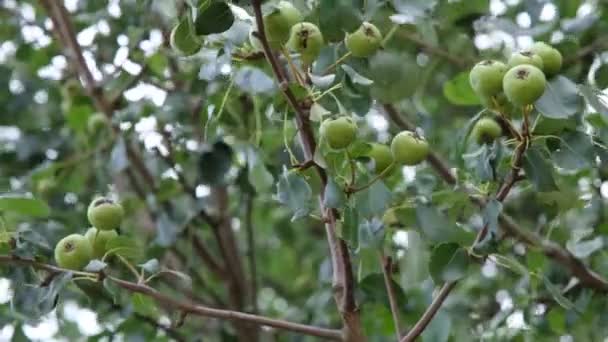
{"x": 552, "y": 250}
{"x": 187, "y": 307}
{"x": 434, "y": 50}
{"x": 430, "y": 312}
{"x": 549, "y": 248}
{"x": 583, "y": 52}
{"x": 342, "y": 281}
{"x": 387, "y": 270}
{"x": 171, "y": 332}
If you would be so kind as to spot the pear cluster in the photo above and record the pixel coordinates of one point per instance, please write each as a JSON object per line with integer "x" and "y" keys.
{"x": 75, "y": 251}
{"x": 284, "y": 27}
{"x": 406, "y": 148}
{"x": 522, "y": 80}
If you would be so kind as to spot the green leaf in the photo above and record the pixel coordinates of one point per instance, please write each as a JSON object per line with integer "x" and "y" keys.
{"x": 355, "y": 77}
{"x": 216, "y": 18}
{"x": 556, "y": 293}
{"x": 333, "y": 196}
{"x": 449, "y": 262}
{"x": 483, "y": 160}
{"x": 125, "y": 247}
{"x": 214, "y": 163}
{"x": 371, "y": 233}
{"x": 434, "y": 225}
{"x": 350, "y": 226}
{"x": 258, "y": 175}
{"x": 490, "y": 218}
{"x": 78, "y": 116}
{"x": 144, "y": 305}
{"x": 339, "y": 16}
{"x": 295, "y": 193}
{"x": 560, "y": 100}
{"x": 511, "y": 264}
{"x": 539, "y": 170}
{"x": 359, "y": 149}
{"x": 373, "y": 201}
{"x": 183, "y": 38}
{"x": 459, "y": 92}
{"x": 34, "y": 301}
{"x": 576, "y": 152}
{"x": 596, "y": 99}
{"x": 24, "y": 205}
{"x": 583, "y": 249}
{"x": 95, "y": 266}
{"x": 393, "y": 74}
{"x": 439, "y": 329}
{"x": 150, "y": 266}
{"x": 368, "y": 263}
{"x": 601, "y": 76}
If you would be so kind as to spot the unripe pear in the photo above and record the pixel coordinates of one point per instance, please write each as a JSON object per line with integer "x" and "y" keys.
{"x": 99, "y": 240}
{"x": 365, "y": 41}
{"x": 105, "y": 214}
{"x": 73, "y": 252}
{"x": 339, "y": 132}
{"x": 306, "y": 38}
{"x": 409, "y": 149}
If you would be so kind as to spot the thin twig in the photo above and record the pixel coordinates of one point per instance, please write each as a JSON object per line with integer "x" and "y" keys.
{"x": 578, "y": 269}
{"x": 431, "y": 49}
{"x": 430, "y": 312}
{"x": 343, "y": 282}
{"x": 387, "y": 270}
{"x": 188, "y": 307}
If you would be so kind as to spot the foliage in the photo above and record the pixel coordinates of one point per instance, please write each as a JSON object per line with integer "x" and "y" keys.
{"x": 234, "y": 199}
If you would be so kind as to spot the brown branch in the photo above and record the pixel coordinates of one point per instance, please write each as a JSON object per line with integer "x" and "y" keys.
{"x": 549, "y": 248}
{"x": 583, "y": 52}
{"x": 343, "y": 283}
{"x": 589, "y": 278}
{"x": 61, "y": 21}
{"x": 435, "y": 50}
{"x": 171, "y": 332}
{"x": 387, "y": 270}
{"x": 430, "y": 312}
{"x": 187, "y": 307}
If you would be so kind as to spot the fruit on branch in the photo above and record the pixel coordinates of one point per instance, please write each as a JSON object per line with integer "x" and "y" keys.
{"x": 525, "y": 57}
{"x": 339, "y": 132}
{"x": 486, "y": 77}
{"x": 306, "y": 38}
{"x": 105, "y": 214}
{"x": 365, "y": 41}
{"x": 486, "y": 130}
{"x": 524, "y": 84}
{"x": 99, "y": 240}
{"x": 73, "y": 252}
{"x": 97, "y": 122}
{"x": 382, "y": 157}
{"x": 278, "y": 23}
{"x": 409, "y": 149}
{"x": 552, "y": 58}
